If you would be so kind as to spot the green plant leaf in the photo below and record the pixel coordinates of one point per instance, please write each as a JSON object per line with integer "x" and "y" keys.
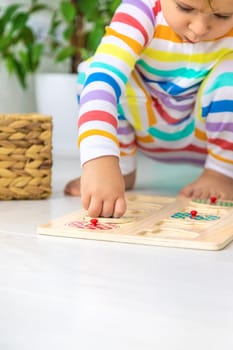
{"x": 9, "y": 63}
{"x": 68, "y": 33}
{"x": 36, "y": 54}
{"x": 89, "y": 8}
{"x": 9, "y": 12}
{"x": 16, "y": 67}
{"x": 68, "y": 11}
{"x": 27, "y": 35}
{"x": 39, "y": 7}
{"x": 65, "y": 53}
{"x": 113, "y": 4}
{"x": 6, "y": 16}
{"x": 55, "y": 23}
{"x": 4, "y": 43}
{"x": 25, "y": 60}
{"x": 19, "y": 22}
{"x": 94, "y": 37}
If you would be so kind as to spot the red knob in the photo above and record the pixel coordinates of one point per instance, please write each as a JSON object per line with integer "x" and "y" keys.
{"x": 193, "y": 213}
{"x": 94, "y": 222}
{"x": 213, "y": 200}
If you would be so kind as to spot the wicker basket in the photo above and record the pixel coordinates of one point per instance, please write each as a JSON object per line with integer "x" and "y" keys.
{"x": 25, "y": 156}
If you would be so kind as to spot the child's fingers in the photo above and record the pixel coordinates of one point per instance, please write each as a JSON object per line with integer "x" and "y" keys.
{"x": 95, "y": 207}
{"x": 108, "y": 208}
{"x": 120, "y": 207}
{"x": 85, "y": 201}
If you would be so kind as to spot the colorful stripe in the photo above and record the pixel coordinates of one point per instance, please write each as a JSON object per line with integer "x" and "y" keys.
{"x": 125, "y": 18}
{"x": 145, "y": 85}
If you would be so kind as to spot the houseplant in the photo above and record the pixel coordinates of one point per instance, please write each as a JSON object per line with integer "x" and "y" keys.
{"x": 82, "y": 26}
{"x": 74, "y": 31}
{"x": 19, "y": 48}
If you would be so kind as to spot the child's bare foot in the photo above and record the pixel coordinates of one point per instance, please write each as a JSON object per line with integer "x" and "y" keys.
{"x": 210, "y": 183}
{"x": 72, "y": 188}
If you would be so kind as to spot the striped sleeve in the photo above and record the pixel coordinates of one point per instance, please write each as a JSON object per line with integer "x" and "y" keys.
{"x": 130, "y": 31}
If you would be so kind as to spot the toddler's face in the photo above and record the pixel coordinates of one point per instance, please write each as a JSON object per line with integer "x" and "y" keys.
{"x": 198, "y": 20}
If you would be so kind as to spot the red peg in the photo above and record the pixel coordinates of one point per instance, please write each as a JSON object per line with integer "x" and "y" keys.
{"x": 193, "y": 213}
{"x": 213, "y": 200}
{"x": 94, "y": 222}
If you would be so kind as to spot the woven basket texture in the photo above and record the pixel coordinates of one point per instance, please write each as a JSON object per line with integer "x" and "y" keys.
{"x": 25, "y": 156}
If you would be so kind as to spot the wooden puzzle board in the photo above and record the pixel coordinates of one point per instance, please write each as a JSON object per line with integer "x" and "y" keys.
{"x": 153, "y": 220}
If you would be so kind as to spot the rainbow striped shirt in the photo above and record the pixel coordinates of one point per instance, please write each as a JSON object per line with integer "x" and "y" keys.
{"x": 139, "y": 45}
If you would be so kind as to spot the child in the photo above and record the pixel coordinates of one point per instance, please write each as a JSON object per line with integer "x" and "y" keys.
{"x": 160, "y": 81}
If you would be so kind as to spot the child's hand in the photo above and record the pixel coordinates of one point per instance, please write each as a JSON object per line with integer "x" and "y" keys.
{"x": 103, "y": 188}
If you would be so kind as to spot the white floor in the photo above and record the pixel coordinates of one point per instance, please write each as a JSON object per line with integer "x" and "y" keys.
{"x": 67, "y": 294}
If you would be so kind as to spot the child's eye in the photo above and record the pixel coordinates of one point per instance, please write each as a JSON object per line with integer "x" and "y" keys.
{"x": 218, "y": 15}
{"x": 184, "y": 8}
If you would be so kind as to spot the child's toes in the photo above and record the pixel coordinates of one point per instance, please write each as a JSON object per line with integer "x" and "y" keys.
{"x": 186, "y": 191}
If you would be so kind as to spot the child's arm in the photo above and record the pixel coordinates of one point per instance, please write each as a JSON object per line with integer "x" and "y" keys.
{"x": 102, "y": 184}
{"x": 105, "y": 79}
{"x": 103, "y": 187}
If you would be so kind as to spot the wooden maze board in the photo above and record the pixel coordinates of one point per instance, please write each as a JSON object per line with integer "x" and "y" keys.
{"x": 153, "y": 220}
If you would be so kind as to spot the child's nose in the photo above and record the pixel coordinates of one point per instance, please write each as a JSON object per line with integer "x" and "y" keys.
{"x": 199, "y": 26}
